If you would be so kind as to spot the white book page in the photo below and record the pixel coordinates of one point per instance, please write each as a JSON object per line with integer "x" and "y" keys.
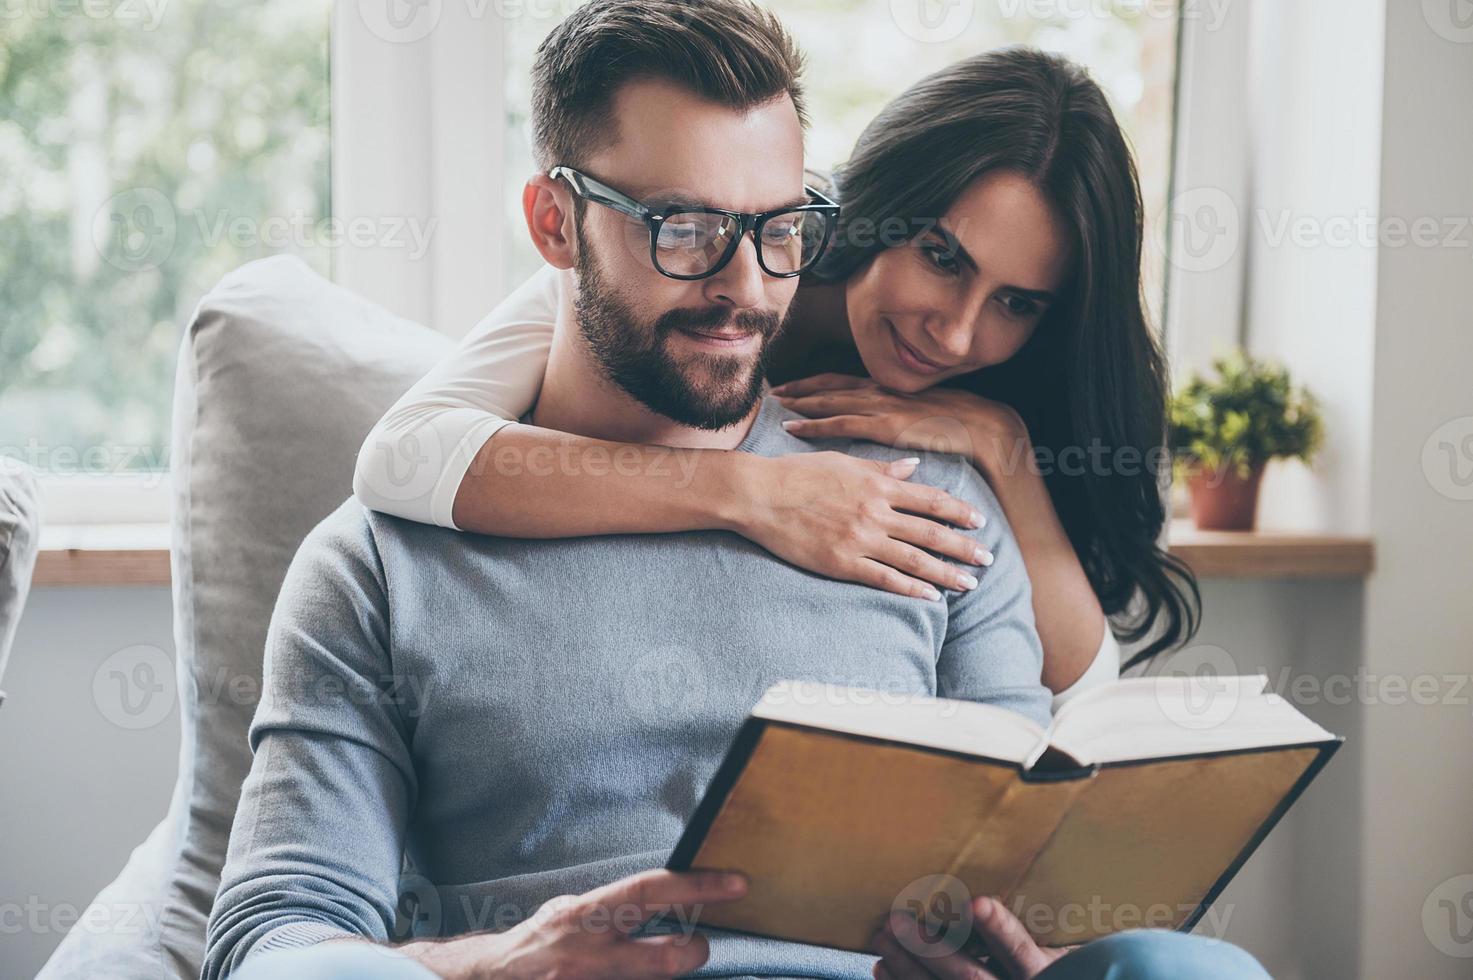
{"x": 937, "y": 723}
{"x": 1175, "y": 715}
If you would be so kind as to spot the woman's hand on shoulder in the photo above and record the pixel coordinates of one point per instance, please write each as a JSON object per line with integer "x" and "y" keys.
{"x": 860, "y": 520}
{"x": 945, "y": 420}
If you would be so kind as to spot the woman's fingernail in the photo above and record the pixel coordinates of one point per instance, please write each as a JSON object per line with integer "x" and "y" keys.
{"x": 930, "y": 593}
{"x": 790, "y": 424}
{"x": 733, "y": 883}
{"x": 968, "y": 582}
{"x": 984, "y": 557}
{"x": 907, "y": 465}
{"x": 978, "y": 520}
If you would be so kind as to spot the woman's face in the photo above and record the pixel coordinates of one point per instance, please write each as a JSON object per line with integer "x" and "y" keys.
{"x": 965, "y": 294}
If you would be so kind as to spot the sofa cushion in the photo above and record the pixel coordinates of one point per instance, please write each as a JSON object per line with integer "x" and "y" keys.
{"x": 281, "y": 375}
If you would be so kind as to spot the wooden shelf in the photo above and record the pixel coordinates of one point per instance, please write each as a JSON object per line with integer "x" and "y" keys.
{"x": 122, "y": 554}
{"x": 138, "y": 554}
{"x": 1271, "y": 554}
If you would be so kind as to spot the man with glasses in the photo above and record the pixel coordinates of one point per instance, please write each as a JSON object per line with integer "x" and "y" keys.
{"x": 532, "y": 722}
{"x": 738, "y": 296}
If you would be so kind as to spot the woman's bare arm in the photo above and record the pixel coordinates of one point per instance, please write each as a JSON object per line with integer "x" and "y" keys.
{"x": 1071, "y": 623}
{"x": 828, "y": 512}
{"x": 450, "y": 452}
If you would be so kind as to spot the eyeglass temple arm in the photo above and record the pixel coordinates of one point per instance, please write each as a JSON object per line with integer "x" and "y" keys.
{"x": 601, "y": 193}
{"x": 822, "y": 197}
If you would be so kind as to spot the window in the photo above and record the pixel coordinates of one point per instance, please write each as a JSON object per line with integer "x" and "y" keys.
{"x": 147, "y": 150}
{"x": 1129, "y": 47}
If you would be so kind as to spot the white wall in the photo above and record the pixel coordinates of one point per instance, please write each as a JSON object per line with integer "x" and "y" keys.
{"x": 77, "y": 791}
{"x": 1418, "y": 833}
{"x": 1315, "y": 138}
{"x": 1292, "y": 904}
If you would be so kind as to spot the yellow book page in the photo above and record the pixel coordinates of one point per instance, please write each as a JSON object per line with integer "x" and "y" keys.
{"x": 832, "y": 829}
{"x": 1144, "y": 844}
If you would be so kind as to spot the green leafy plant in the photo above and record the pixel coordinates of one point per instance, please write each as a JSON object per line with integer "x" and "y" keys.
{"x": 1245, "y": 415}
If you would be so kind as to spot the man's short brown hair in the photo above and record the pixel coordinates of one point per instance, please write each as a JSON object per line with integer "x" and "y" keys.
{"x": 731, "y": 52}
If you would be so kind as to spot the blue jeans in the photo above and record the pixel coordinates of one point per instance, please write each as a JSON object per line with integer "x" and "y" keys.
{"x": 1145, "y": 954}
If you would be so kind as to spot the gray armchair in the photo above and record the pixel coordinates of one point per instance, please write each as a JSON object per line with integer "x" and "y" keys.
{"x": 20, "y": 528}
{"x": 281, "y": 375}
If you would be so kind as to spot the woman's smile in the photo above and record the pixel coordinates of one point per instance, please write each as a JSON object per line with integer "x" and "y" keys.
{"x": 912, "y": 358}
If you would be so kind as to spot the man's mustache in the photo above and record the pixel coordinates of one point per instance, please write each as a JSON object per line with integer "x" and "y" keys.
{"x": 716, "y": 318}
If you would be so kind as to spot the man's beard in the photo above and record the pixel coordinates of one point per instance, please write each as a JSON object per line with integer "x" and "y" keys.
{"x": 634, "y": 354}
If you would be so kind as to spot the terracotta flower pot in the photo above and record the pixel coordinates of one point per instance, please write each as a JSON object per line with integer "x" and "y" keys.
{"x": 1223, "y": 500}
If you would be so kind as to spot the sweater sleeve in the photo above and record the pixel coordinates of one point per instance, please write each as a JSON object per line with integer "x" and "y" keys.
{"x": 316, "y": 845}
{"x": 412, "y": 462}
{"x": 991, "y": 652}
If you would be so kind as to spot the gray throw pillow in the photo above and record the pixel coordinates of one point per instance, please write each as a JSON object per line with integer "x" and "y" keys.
{"x": 20, "y": 528}
{"x": 281, "y": 375}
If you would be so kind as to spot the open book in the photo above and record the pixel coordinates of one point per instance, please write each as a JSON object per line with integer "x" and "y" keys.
{"x": 1134, "y": 808}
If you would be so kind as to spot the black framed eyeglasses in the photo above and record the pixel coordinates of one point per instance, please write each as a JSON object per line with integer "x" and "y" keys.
{"x": 688, "y": 242}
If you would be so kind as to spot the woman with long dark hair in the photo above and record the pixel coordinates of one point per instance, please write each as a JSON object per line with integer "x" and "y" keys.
{"x": 982, "y": 295}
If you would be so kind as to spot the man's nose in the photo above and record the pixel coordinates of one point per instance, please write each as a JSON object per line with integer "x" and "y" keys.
{"x": 740, "y": 282}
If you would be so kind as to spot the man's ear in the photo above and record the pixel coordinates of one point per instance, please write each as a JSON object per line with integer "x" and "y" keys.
{"x": 547, "y": 205}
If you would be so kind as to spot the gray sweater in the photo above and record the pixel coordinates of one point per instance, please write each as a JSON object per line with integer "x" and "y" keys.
{"x": 522, "y": 719}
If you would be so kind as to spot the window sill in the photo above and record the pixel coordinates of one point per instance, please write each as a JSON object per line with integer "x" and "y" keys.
{"x": 103, "y": 554}
{"x": 1271, "y": 554}
{"x": 138, "y": 554}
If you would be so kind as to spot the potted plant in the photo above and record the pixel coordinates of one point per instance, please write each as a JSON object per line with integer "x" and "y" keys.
{"x": 1224, "y": 429}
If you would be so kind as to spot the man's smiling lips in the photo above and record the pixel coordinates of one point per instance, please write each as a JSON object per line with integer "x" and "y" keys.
{"x": 911, "y": 357}
{"x": 725, "y": 339}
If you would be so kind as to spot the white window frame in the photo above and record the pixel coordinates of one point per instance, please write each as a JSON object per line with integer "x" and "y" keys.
{"x": 1207, "y": 258}
{"x": 418, "y": 122}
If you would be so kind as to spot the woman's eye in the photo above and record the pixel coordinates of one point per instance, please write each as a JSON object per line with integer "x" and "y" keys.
{"x": 942, "y": 258}
{"x": 1019, "y": 307}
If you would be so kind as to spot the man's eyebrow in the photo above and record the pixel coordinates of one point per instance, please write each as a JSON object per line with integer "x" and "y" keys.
{"x": 687, "y": 201}
{"x": 955, "y": 244}
{"x": 793, "y": 203}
